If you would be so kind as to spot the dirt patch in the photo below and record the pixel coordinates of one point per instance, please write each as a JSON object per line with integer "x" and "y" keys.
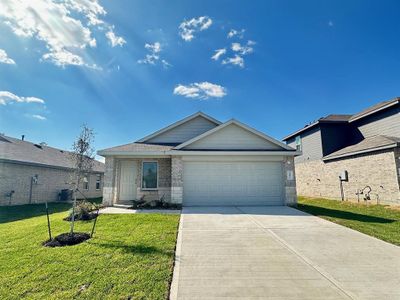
{"x": 67, "y": 239}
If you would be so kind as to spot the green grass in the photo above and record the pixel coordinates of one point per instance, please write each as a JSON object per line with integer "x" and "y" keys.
{"x": 130, "y": 256}
{"x": 379, "y": 221}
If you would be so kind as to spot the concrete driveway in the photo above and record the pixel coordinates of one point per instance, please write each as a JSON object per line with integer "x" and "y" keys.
{"x": 278, "y": 253}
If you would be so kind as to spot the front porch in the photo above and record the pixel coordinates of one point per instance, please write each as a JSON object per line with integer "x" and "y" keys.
{"x": 131, "y": 178}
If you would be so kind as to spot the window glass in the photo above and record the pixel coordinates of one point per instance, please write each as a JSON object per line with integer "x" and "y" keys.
{"x": 98, "y": 181}
{"x": 298, "y": 143}
{"x": 149, "y": 175}
{"x": 86, "y": 183}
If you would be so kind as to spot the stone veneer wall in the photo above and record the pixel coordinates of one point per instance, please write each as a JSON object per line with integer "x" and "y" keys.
{"x": 177, "y": 180}
{"x": 51, "y": 180}
{"x": 379, "y": 170}
{"x": 290, "y": 183}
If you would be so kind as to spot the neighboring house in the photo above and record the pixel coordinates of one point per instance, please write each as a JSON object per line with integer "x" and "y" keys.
{"x": 201, "y": 161}
{"x": 34, "y": 173}
{"x": 366, "y": 145}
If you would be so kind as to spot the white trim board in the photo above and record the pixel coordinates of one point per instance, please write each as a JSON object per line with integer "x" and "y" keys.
{"x": 237, "y": 123}
{"x": 176, "y": 124}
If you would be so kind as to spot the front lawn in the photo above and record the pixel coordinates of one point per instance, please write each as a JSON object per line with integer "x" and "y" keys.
{"x": 130, "y": 256}
{"x": 375, "y": 220}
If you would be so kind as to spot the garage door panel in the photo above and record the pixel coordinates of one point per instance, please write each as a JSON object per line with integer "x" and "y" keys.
{"x": 232, "y": 183}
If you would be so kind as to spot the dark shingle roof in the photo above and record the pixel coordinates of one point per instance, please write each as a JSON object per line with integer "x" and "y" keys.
{"x": 374, "y": 108}
{"x": 22, "y": 151}
{"x": 138, "y": 147}
{"x": 335, "y": 118}
{"x": 367, "y": 145}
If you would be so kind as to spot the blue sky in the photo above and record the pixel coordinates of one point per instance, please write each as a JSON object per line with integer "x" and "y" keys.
{"x": 287, "y": 63}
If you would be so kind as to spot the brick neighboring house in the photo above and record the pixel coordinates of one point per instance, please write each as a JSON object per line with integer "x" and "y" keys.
{"x": 366, "y": 145}
{"x": 37, "y": 173}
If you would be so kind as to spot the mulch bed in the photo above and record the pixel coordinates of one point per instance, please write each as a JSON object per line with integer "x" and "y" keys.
{"x": 67, "y": 239}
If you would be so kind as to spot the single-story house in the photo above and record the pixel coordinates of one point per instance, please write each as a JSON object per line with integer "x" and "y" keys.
{"x": 200, "y": 161}
{"x": 35, "y": 173}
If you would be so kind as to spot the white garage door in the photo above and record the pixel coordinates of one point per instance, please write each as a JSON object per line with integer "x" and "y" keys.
{"x": 232, "y": 183}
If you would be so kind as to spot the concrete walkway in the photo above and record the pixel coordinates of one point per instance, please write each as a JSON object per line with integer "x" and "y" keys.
{"x": 279, "y": 253}
{"x": 120, "y": 210}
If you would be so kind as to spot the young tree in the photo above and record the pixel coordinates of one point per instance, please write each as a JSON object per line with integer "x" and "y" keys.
{"x": 82, "y": 156}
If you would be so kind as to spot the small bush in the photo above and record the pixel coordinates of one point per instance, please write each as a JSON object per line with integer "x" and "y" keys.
{"x": 83, "y": 211}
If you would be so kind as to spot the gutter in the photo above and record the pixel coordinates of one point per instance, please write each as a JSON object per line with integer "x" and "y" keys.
{"x": 203, "y": 153}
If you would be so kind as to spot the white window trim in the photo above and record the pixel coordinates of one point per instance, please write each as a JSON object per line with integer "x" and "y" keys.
{"x": 300, "y": 144}
{"x": 141, "y": 175}
{"x": 98, "y": 189}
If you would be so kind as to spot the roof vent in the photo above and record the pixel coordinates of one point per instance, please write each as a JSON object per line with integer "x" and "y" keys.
{"x": 43, "y": 144}
{"x": 38, "y": 146}
{"x": 23, "y": 137}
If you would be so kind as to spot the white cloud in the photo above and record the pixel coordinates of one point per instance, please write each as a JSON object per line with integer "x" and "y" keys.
{"x": 239, "y": 51}
{"x": 39, "y": 117}
{"x": 243, "y": 50}
{"x": 202, "y": 90}
{"x": 8, "y": 97}
{"x": 58, "y": 24}
{"x": 237, "y": 60}
{"x": 218, "y": 53}
{"x": 238, "y": 33}
{"x": 5, "y": 59}
{"x": 188, "y": 28}
{"x": 153, "y": 56}
{"x": 115, "y": 40}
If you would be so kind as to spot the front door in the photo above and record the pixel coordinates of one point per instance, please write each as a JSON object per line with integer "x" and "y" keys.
{"x": 127, "y": 185}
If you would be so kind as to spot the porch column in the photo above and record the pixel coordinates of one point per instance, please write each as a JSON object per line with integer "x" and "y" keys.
{"x": 290, "y": 182}
{"x": 109, "y": 181}
{"x": 176, "y": 180}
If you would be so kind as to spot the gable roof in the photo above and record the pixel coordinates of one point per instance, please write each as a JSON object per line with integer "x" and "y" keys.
{"x": 374, "y": 143}
{"x": 375, "y": 108}
{"x": 237, "y": 123}
{"x": 347, "y": 118}
{"x": 328, "y": 119}
{"x": 16, "y": 150}
{"x": 176, "y": 124}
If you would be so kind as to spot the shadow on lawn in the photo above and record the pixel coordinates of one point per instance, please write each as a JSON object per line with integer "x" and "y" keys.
{"x": 133, "y": 249}
{"x": 340, "y": 214}
{"x": 26, "y": 211}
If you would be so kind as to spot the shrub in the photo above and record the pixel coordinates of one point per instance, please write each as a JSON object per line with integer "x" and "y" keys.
{"x": 83, "y": 211}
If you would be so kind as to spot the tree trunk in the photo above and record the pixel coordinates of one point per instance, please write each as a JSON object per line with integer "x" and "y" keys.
{"x": 73, "y": 212}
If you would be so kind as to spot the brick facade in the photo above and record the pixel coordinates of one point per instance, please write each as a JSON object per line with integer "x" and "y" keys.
{"x": 17, "y": 177}
{"x": 177, "y": 180}
{"x": 379, "y": 170}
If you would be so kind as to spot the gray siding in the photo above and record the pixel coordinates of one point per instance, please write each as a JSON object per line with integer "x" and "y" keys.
{"x": 233, "y": 137}
{"x": 382, "y": 123}
{"x": 335, "y": 136}
{"x": 184, "y": 131}
{"x": 311, "y": 145}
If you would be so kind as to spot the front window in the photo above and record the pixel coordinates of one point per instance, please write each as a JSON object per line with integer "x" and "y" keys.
{"x": 298, "y": 143}
{"x": 98, "y": 181}
{"x": 86, "y": 183}
{"x": 149, "y": 175}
